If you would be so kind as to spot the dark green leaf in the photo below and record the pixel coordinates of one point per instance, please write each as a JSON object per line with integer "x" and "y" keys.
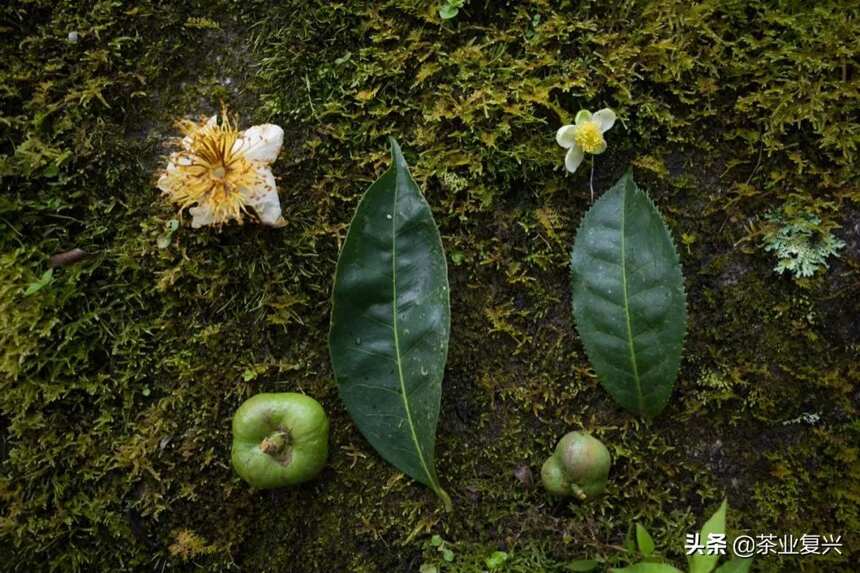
{"x": 699, "y": 562}
{"x": 628, "y": 298}
{"x": 643, "y": 539}
{"x": 390, "y": 323}
{"x": 583, "y": 565}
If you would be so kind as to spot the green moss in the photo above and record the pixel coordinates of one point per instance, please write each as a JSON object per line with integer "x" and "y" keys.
{"x": 118, "y": 380}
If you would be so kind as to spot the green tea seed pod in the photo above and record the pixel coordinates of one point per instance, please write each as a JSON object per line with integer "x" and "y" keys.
{"x": 279, "y": 439}
{"x": 579, "y": 467}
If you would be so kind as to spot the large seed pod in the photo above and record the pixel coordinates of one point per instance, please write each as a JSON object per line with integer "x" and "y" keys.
{"x": 279, "y": 439}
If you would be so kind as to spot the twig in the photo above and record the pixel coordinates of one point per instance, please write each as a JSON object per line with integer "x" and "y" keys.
{"x": 67, "y": 258}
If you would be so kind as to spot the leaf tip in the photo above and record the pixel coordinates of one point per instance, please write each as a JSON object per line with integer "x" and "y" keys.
{"x": 396, "y": 153}
{"x": 627, "y": 179}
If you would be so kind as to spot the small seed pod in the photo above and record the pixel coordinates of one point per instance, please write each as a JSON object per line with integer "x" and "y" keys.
{"x": 579, "y": 467}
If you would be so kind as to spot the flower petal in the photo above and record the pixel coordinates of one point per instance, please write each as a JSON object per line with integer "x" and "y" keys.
{"x": 261, "y": 142}
{"x": 268, "y": 209}
{"x": 582, "y": 116}
{"x": 167, "y": 180}
{"x": 164, "y": 183}
{"x": 601, "y": 148}
{"x": 564, "y": 136}
{"x": 264, "y": 199}
{"x": 573, "y": 158}
{"x": 605, "y": 118}
{"x": 201, "y": 215}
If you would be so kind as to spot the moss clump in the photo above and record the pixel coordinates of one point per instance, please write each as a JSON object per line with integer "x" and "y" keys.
{"x": 118, "y": 380}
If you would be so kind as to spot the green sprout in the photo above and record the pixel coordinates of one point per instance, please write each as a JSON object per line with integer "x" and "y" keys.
{"x": 450, "y": 8}
{"x": 443, "y": 548}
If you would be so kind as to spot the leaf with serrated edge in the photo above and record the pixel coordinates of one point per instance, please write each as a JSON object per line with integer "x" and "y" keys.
{"x": 390, "y": 323}
{"x": 628, "y": 298}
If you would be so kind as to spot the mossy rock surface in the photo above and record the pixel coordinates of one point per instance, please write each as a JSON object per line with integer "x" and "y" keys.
{"x": 118, "y": 379}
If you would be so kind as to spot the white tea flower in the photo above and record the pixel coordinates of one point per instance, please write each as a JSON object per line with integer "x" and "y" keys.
{"x": 585, "y": 136}
{"x": 220, "y": 173}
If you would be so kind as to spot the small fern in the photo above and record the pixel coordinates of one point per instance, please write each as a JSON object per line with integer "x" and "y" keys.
{"x": 802, "y": 243}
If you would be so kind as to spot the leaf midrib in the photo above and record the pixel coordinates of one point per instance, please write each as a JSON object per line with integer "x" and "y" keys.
{"x": 400, "y": 376}
{"x": 630, "y": 344}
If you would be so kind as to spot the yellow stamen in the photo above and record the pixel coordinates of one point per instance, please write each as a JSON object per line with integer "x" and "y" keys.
{"x": 209, "y": 172}
{"x": 589, "y": 138}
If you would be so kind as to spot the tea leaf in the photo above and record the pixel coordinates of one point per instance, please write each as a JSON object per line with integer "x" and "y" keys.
{"x": 390, "y": 323}
{"x": 628, "y": 298}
